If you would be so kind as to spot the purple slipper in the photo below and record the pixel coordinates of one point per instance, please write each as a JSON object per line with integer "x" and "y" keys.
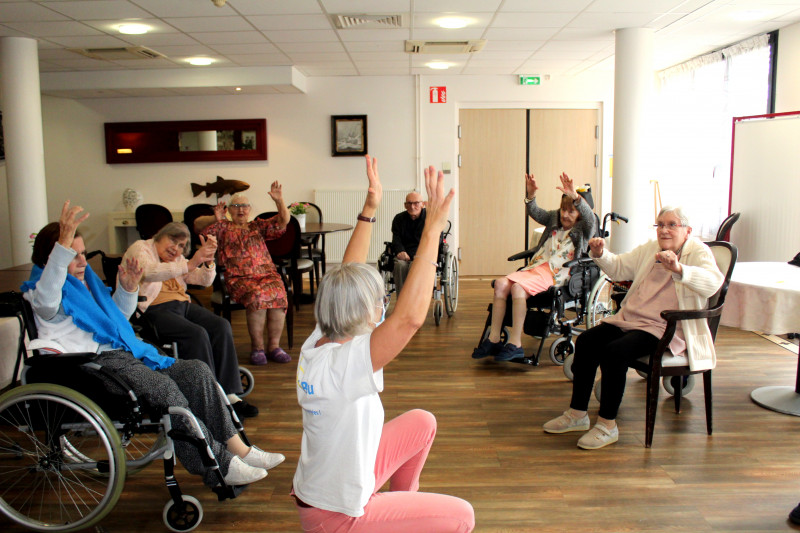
{"x": 257, "y": 357}
{"x": 279, "y": 356}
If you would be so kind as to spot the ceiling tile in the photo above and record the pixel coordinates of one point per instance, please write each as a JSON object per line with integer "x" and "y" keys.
{"x": 276, "y": 7}
{"x": 290, "y": 22}
{"x": 98, "y": 9}
{"x": 210, "y": 24}
{"x": 27, "y": 12}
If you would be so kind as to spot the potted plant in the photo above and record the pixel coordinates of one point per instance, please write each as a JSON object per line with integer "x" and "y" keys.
{"x": 298, "y": 209}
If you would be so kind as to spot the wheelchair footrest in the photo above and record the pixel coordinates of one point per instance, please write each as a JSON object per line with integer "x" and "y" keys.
{"x": 229, "y": 492}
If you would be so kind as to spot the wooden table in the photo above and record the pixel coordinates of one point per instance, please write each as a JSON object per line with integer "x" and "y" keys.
{"x": 311, "y": 229}
{"x": 765, "y": 297}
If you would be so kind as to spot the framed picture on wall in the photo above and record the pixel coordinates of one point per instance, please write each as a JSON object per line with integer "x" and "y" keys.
{"x": 348, "y": 135}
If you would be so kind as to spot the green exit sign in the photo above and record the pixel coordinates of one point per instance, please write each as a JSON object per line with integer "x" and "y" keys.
{"x": 530, "y": 80}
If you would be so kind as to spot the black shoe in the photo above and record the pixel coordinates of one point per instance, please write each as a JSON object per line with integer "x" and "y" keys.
{"x": 510, "y": 352}
{"x": 794, "y": 516}
{"x": 245, "y": 410}
{"x": 487, "y": 348}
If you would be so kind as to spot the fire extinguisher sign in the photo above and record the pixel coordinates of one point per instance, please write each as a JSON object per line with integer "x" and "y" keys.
{"x": 438, "y": 95}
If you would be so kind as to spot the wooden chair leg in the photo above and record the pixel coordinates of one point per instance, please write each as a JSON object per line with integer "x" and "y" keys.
{"x": 651, "y": 407}
{"x": 709, "y": 403}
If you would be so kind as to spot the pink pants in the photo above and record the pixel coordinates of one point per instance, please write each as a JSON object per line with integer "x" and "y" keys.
{"x": 405, "y": 443}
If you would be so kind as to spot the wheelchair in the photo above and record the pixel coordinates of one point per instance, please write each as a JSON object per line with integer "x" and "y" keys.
{"x": 445, "y": 288}
{"x": 65, "y": 451}
{"x": 583, "y": 295}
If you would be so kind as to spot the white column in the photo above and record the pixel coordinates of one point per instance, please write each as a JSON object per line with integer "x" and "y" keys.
{"x": 22, "y": 129}
{"x": 633, "y": 87}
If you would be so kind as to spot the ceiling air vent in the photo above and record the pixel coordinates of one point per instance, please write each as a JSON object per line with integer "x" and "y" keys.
{"x": 112, "y": 54}
{"x": 445, "y": 47}
{"x": 348, "y": 22}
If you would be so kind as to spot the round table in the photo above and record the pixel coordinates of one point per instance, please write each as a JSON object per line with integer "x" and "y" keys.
{"x": 765, "y": 297}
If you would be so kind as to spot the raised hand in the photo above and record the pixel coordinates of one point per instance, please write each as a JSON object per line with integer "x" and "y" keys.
{"x": 276, "y": 192}
{"x": 438, "y": 206}
{"x": 530, "y": 186}
{"x": 206, "y": 252}
{"x": 220, "y": 210}
{"x": 567, "y": 186}
{"x": 596, "y": 245}
{"x": 375, "y": 189}
{"x": 130, "y": 274}
{"x": 71, "y": 217}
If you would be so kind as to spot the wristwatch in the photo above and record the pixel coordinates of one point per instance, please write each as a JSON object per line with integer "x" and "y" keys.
{"x": 365, "y": 219}
{"x": 528, "y": 200}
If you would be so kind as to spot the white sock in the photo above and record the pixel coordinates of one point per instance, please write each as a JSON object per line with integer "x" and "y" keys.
{"x": 233, "y": 399}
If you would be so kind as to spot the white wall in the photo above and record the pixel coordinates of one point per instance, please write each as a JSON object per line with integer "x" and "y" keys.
{"x": 787, "y": 96}
{"x": 298, "y": 132}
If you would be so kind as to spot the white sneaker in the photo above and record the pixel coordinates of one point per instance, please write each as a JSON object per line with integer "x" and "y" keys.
{"x": 567, "y": 422}
{"x": 261, "y": 459}
{"x": 598, "y": 436}
{"x": 240, "y": 473}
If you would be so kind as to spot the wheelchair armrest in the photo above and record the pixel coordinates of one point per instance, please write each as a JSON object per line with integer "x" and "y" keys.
{"x": 580, "y": 261}
{"x": 671, "y": 315}
{"x": 521, "y": 255}
{"x": 68, "y": 359}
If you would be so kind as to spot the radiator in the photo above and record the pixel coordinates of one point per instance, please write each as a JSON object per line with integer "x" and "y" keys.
{"x": 344, "y": 206}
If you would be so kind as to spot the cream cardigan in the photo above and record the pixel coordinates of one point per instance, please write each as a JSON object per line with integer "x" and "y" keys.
{"x": 156, "y": 271}
{"x": 700, "y": 280}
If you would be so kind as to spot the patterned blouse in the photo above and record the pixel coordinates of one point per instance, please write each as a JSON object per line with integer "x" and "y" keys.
{"x": 558, "y": 249}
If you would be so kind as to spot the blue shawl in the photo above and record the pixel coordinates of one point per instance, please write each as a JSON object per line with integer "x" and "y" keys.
{"x": 95, "y": 312}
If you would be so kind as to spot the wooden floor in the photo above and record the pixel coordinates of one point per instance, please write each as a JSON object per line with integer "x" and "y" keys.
{"x": 491, "y": 451}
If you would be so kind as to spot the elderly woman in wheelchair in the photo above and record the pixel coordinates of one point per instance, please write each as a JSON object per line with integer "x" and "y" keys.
{"x": 675, "y": 271}
{"x": 566, "y": 232}
{"x": 73, "y": 308}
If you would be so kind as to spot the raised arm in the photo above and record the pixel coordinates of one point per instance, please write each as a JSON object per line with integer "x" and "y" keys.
{"x": 409, "y": 313}
{"x": 358, "y": 246}
{"x": 220, "y": 210}
{"x": 276, "y": 193}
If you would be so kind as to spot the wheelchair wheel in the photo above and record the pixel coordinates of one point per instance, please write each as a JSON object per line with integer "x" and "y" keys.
{"x": 450, "y": 284}
{"x": 669, "y": 382}
{"x": 568, "y": 366}
{"x": 183, "y": 517}
{"x": 560, "y": 349}
{"x": 248, "y": 382}
{"x": 437, "y": 311}
{"x": 46, "y": 487}
{"x": 600, "y": 303}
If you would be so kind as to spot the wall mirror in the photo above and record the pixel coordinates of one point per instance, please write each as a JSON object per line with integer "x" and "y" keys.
{"x": 187, "y": 140}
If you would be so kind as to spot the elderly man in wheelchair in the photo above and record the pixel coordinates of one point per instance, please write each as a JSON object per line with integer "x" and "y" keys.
{"x": 547, "y": 277}
{"x": 74, "y": 312}
{"x": 445, "y": 287}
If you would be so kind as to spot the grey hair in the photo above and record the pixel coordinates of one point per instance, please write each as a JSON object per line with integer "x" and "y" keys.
{"x": 235, "y": 198}
{"x": 175, "y": 230}
{"x": 678, "y": 213}
{"x": 347, "y": 299}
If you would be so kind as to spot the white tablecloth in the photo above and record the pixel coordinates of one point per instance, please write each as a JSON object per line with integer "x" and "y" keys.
{"x": 763, "y": 297}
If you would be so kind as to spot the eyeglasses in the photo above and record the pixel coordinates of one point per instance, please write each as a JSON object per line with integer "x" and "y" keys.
{"x": 178, "y": 245}
{"x": 240, "y": 206}
{"x": 671, "y": 226}
{"x": 414, "y": 204}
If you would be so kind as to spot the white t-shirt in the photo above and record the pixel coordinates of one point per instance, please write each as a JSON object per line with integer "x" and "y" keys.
{"x": 342, "y": 424}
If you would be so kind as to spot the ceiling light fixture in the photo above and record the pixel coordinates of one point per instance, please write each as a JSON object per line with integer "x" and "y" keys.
{"x": 133, "y": 29}
{"x": 200, "y": 61}
{"x": 451, "y": 22}
{"x": 219, "y": 3}
{"x": 238, "y": 89}
{"x": 438, "y": 65}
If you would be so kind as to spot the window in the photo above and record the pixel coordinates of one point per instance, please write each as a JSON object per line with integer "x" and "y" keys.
{"x": 695, "y": 105}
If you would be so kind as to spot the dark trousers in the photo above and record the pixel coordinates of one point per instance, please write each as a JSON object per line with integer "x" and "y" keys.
{"x": 609, "y": 348}
{"x": 200, "y": 335}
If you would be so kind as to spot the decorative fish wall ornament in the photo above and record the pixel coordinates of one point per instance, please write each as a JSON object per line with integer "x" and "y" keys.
{"x": 221, "y": 187}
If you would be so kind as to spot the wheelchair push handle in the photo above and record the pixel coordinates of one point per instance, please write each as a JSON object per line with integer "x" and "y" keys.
{"x": 614, "y": 217}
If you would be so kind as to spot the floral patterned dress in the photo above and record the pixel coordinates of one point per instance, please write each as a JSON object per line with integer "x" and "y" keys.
{"x": 250, "y": 275}
{"x": 546, "y": 268}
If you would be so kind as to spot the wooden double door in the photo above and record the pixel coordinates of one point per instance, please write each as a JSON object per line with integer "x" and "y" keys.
{"x": 497, "y": 147}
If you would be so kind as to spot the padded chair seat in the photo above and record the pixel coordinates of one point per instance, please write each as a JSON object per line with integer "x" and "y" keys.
{"x": 668, "y": 360}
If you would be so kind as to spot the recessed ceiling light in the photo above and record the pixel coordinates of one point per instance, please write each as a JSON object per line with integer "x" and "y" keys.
{"x": 438, "y": 65}
{"x": 133, "y": 29}
{"x": 451, "y": 22}
{"x": 200, "y": 61}
{"x": 238, "y": 89}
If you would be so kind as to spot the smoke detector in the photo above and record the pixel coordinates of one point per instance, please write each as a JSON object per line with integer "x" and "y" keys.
{"x": 348, "y": 22}
{"x": 112, "y": 54}
{"x": 445, "y": 47}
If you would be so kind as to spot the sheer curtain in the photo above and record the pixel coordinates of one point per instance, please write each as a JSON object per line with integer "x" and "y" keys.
{"x": 695, "y": 103}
